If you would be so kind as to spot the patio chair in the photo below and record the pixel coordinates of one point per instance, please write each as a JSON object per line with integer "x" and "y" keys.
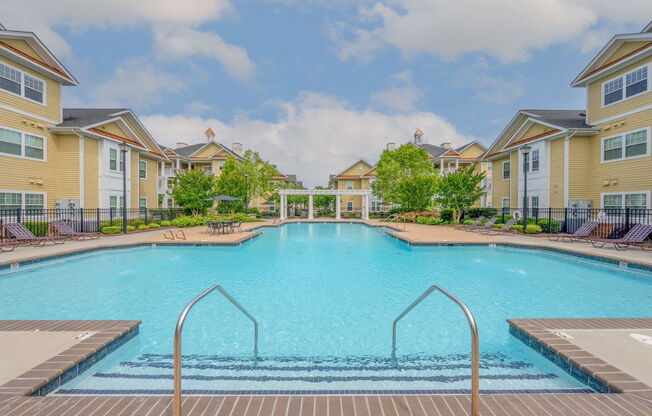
{"x": 7, "y": 246}
{"x": 236, "y": 226}
{"x": 23, "y": 235}
{"x": 634, "y": 237}
{"x": 65, "y": 230}
{"x": 502, "y": 230}
{"x": 477, "y": 222}
{"x": 478, "y": 228}
{"x": 581, "y": 234}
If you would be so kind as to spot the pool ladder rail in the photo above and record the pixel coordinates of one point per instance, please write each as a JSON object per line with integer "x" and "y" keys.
{"x": 176, "y": 401}
{"x": 475, "y": 343}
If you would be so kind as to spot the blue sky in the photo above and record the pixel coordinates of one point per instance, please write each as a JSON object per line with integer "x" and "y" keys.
{"x": 314, "y": 85}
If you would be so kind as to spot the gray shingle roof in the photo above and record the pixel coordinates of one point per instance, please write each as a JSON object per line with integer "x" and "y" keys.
{"x": 570, "y": 119}
{"x": 81, "y": 117}
{"x": 433, "y": 150}
{"x": 188, "y": 150}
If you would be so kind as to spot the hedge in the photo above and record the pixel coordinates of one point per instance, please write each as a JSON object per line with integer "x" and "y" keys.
{"x": 166, "y": 223}
{"x": 429, "y": 220}
{"x": 38, "y": 228}
{"x": 111, "y": 230}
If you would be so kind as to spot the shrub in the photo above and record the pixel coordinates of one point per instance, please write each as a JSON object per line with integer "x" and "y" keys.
{"x": 130, "y": 228}
{"x": 153, "y": 225}
{"x": 517, "y": 227}
{"x": 111, "y": 230}
{"x": 549, "y": 226}
{"x": 38, "y": 228}
{"x": 165, "y": 223}
{"x": 477, "y": 212}
{"x": 136, "y": 222}
{"x": 468, "y": 222}
{"x": 142, "y": 227}
{"x": 446, "y": 214}
{"x": 252, "y": 211}
{"x": 352, "y": 215}
{"x": 532, "y": 229}
{"x": 374, "y": 215}
{"x": 498, "y": 225}
{"x": 429, "y": 220}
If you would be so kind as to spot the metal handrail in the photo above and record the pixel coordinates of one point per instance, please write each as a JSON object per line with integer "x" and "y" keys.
{"x": 475, "y": 343}
{"x": 176, "y": 402}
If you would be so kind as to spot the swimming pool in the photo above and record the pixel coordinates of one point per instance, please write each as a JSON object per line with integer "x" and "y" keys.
{"x": 325, "y": 296}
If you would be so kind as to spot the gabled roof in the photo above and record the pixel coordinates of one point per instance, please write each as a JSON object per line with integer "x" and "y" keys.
{"x": 599, "y": 64}
{"x": 568, "y": 119}
{"x": 469, "y": 144}
{"x": 48, "y": 65}
{"x": 352, "y": 165}
{"x": 202, "y": 145}
{"x": 438, "y": 151}
{"x": 186, "y": 151}
{"x": 82, "y": 117}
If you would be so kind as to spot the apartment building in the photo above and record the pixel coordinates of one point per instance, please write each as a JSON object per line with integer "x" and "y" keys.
{"x": 597, "y": 157}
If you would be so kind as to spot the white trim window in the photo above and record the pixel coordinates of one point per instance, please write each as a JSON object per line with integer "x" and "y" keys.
{"x": 116, "y": 202}
{"x": 504, "y": 202}
{"x": 349, "y": 185}
{"x": 375, "y": 206}
{"x": 622, "y": 200}
{"x": 21, "y": 200}
{"x": 142, "y": 169}
{"x": 142, "y": 202}
{"x": 208, "y": 170}
{"x": 116, "y": 163}
{"x": 506, "y": 170}
{"x": 20, "y": 144}
{"x": 628, "y": 145}
{"x": 21, "y": 84}
{"x": 626, "y": 86}
{"x": 349, "y": 206}
{"x": 220, "y": 165}
{"x": 535, "y": 160}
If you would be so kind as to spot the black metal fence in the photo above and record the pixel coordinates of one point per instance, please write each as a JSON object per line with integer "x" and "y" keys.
{"x": 83, "y": 219}
{"x": 613, "y": 223}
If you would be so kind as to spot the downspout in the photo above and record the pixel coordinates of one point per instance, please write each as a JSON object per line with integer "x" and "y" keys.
{"x": 570, "y": 133}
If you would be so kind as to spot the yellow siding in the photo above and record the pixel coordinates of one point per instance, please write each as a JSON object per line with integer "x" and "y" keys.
{"x": 472, "y": 151}
{"x": 22, "y": 46}
{"x": 500, "y": 186}
{"x": 208, "y": 151}
{"x": 534, "y": 130}
{"x": 148, "y": 188}
{"x": 626, "y": 48}
{"x": 68, "y": 161}
{"x": 50, "y": 111}
{"x": 357, "y": 169}
{"x": 113, "y": 128}
{"x": 513, "y": 181}
{"x": 91, "y": 173}
{"x": 579, "y": 165}
{"x": 597, "y": 113}
{"x": 557, "y": 173}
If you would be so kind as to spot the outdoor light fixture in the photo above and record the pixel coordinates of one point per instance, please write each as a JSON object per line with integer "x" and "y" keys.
{"x": 525, "y": 150}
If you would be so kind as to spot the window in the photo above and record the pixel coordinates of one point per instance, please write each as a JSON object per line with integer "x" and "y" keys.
{"x": 113, "y": 160}
{"x": 19, "y": 83}
{"x": 506, "y": 170}
{"x": 490, "y": 166}
{"x": 349, "y": 185}
{"x": 116, "y": 202}
{"x": 375, "y": 206}
{"x": 21, "y": 144}
{"x": 625, "y": 86}
{"x": 534, "y": 202}
{"x": 635, "y": 200}
{"x": 535, "y": 160}
{"x": 208, "y": 170}
{"x": 142, "y": 202}
{"x": 349, "y": 205}
{"x": 505, "y": 202}
{"x": 142, "y": 169}
{"x": 24, "y": 200}
{"x": 220, "y": 165}
{"x": 627, "y": 146}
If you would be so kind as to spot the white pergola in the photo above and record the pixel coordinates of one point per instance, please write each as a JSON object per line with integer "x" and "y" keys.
{"x": 365, "y": 193}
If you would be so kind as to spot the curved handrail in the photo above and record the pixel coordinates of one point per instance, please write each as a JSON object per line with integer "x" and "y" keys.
{"x": 475, "y": 342}
{"x": 176, "y": 402}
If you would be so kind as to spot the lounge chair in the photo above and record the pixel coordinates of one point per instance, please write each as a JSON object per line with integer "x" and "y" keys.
{"x": 502, "y": 230}
{"x": 634, "y": 237}
{"x": 65, "y": 230}
{"x": 476, "y": 222}
{"x": 581, "y": 234}
{"x": 6, "y": 246}
{"x": 23, "y": 235}
{"x": 487, "y": 226}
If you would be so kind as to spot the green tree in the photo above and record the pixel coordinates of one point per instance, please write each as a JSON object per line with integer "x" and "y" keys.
{"x": 190, "y": 190}
{"x": 248, "y": 179}
{"x": 323, "y": 201}
{"x": 231, "y": 182}
{"x": 459, "y": 191}
{"x": 405, "y": 176}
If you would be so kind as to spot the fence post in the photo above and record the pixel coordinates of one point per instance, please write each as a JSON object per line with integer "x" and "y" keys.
{"x": 111, "y": 217}
{"x": 99, "y": 228}
{"x": 81, "y": 220}
{"x": 18, "y": 212}
{"x": 146, "y": 222}
{"x": 627, "y": 221}
{"x": 565, "y": 220}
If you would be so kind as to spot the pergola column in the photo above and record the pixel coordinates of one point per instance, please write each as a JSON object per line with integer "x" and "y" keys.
{"x": 337, "y": 207}
{"x": 365, "y": 207}
{"x": 310, "y": 207}
{"x": 284, "y": 208}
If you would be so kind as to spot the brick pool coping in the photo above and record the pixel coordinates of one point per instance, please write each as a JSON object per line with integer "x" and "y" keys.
{"x": 593, "y": 371}
{"x": 105, "y": 336}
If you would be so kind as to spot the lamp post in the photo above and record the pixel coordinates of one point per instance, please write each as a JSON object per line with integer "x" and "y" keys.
{"x": 525, "y": 150}
{"x": 123, "y": 151}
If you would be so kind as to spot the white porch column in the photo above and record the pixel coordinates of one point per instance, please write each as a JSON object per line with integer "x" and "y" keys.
{"x": 457, "y": 164}
{"x": 178, "y": 164}
{"x": 310, "y": 207}
{"x": 337, "y": 207}
{"x": 365, "y": 209}
{"x": 284, "y": 207}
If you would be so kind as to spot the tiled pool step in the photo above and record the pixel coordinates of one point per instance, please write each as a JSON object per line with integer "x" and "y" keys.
{"x": 205, "y": 373}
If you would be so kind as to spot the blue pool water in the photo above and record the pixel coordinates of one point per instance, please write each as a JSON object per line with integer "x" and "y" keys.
{"x": 325, "y": 296}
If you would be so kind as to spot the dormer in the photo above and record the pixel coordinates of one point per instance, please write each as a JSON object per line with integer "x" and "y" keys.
{"x": 31, "y": 77}
{"x": 619, "y": 79}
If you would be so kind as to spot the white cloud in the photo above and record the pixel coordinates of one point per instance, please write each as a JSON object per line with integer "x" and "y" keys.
{"x": 307, "y": 128}
{"x": 182, "y": 16}
{"x": 134, "y": 83}
{"x": 400, "y": 95}
{"x": 506, "y": 29}
{"x": 488, "y": 87}
{"x": 181, "y": 43}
